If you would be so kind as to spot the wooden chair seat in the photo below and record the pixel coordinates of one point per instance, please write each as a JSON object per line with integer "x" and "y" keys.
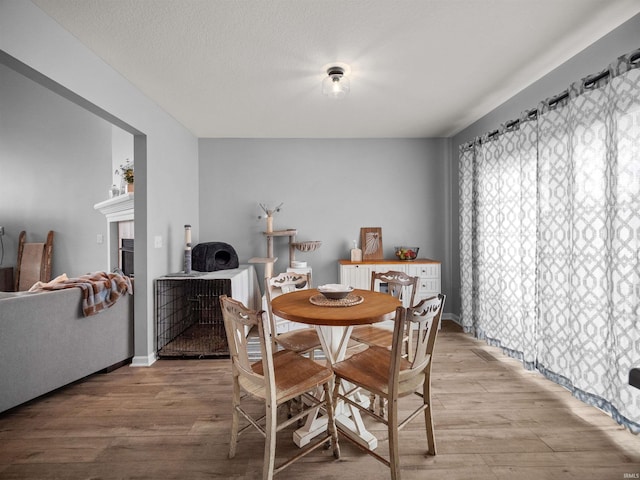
{"x": 372, "y": 335}
{"x": 371, "y": 367}
{"x": 299, "y": 341}
{"x": 293, "y": 374}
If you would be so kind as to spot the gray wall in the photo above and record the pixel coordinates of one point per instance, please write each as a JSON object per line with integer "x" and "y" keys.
{"x": 595, "y": 58}
{"x": 330, "y": 189}
{"x": 121, "y": 153}
{"x": 166, "y": 154}
{"x": 55, "y": 162}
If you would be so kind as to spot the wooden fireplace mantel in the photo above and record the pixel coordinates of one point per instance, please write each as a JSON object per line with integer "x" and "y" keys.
{"x": 118, "y": 208}
{"x": 119, "y": 212}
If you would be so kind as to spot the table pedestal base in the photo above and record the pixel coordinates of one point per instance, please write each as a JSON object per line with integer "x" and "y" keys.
{"x": 363, "y": 437}
{"x": 348, "y": 419}
{"x": 348, "y": 427}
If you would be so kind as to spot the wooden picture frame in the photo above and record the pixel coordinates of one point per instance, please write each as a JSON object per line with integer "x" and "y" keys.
{"x": 371, "y": 243}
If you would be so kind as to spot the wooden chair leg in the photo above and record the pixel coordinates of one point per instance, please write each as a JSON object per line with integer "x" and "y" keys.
{"x": 372, "y": 402}
{"x": 235, "y": 419}
{"x": 336, "y": 389}
{"x": 394, "y": 454}
{"x": 331, "y": 421}
{"x": 270, "y": 441}
{"x": 428, "y": 417}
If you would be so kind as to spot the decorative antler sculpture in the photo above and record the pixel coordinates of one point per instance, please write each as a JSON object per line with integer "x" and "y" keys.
{"x": 269, "y": 214}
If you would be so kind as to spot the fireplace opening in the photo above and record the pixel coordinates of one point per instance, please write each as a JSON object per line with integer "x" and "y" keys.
{"x": 126, "y": 258}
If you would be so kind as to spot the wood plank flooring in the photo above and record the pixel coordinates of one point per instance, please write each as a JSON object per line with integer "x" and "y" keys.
{"x": 494, "y": 421}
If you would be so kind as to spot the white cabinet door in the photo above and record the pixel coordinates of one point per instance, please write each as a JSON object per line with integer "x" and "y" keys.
{"x": 358, "y": 276}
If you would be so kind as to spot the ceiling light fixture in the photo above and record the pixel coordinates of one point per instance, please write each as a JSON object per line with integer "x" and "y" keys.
{"x": 336, "y": 84}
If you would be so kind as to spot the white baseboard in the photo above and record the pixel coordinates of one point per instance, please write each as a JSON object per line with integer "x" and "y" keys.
{"x": 144, "y": 360}
{"x": 451, "y": 316}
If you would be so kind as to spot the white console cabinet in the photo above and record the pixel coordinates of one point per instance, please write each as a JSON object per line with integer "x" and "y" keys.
{"x": 358, "y": 274}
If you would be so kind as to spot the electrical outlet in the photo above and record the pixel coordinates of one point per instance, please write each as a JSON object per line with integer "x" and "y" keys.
{"x": 1, "y": 231}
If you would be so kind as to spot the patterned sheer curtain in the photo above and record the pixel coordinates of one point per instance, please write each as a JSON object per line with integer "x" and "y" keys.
{"x": 550, "y": 239}
{"x": 498, "y": 201}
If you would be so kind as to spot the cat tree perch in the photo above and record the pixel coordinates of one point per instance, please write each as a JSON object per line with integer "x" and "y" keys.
{"x": 270, "y": 233}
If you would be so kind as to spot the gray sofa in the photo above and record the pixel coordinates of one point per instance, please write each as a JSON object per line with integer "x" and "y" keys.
{"x": 46, "y": 342}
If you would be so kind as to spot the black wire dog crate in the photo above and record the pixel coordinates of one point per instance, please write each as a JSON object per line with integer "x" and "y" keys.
{"x": 188, "y": 317}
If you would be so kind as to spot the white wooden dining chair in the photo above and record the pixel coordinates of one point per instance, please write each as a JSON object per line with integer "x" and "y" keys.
{"x": 276, "y": 379}
{"x": 302, "y": 340}
{"x": 390, "y": 375}
{"x": 399, "y": 285}
{"x": 403, "y": 287}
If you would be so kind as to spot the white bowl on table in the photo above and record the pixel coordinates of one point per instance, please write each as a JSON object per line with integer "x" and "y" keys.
{"x": 335, "y": 291}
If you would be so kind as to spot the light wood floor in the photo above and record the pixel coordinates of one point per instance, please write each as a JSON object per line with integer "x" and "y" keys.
{"x": 494, "y": 420}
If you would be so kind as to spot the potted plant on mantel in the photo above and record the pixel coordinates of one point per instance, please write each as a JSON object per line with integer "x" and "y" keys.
{"x": 126, "y": 171}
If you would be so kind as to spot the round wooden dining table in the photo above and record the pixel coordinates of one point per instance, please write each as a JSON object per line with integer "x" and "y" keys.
{"x": 297, "y": 307}
{"x": 334, "y": 324}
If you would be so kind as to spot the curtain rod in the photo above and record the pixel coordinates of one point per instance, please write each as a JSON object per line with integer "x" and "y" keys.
{"x": 587, "y": 83}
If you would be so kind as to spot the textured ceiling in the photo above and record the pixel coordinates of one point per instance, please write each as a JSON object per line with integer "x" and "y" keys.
{"x": 253, "y": 68}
